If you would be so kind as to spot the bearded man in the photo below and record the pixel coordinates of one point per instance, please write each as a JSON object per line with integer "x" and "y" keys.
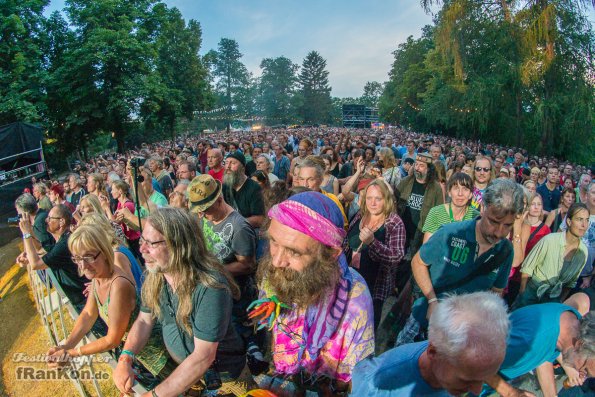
{"x": 324, "y": 325}
{"x": 242, "y": 193}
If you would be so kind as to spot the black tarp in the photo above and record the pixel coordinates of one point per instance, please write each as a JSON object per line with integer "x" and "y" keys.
{"x": 17, "y": 138}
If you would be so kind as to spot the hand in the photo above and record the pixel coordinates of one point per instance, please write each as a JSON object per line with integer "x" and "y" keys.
{"x": 57, "y": 357}
{"x": 25, "y": 224}
{"x": 87, "y": 289}
{"x": 103, "y": 200}
{"x": 575, "y": 378}
{"x": 586, "y": 282}
{"x": 22, "y": 260}
{"x": 124, "y": 377}
{"x": 366, "y": 235}
{"x": 360, "y": 165}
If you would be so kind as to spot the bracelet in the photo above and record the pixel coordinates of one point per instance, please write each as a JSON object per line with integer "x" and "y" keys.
{"x": 154, "y": 393}
{"x": 27, "y": 235}
{"x": 125, "y": 358}
{"x": 129, "y": 353}
{"x": 432, "y": 300}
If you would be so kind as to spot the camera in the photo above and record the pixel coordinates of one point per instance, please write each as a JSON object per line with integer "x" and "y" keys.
{"x": 14, "y": 221}
{"x": 212, "y": 378}
{"x": 137, "y": 162}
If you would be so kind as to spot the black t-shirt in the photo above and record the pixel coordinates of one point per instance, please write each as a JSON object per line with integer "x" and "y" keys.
{"x": 413, "y": 208}
{"x": 40, "y": 231}
{"x": 248, "y": 201}
{"x": 66, "y": 271}
{"x": 75, "y": 198}
{"x": 346, "y": 170}
{"x": 210, "y": 320}
{"x": 250, "y": 168}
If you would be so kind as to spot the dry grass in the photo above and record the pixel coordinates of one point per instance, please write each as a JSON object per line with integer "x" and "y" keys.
{"x": 21, "y": 331}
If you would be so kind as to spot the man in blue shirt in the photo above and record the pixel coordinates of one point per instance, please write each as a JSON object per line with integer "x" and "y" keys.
{"x": 544, "y": 333}
{"x": 467, "y": 336}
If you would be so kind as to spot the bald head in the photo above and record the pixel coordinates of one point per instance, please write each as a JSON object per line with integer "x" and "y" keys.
{"x": 214, "y": 158}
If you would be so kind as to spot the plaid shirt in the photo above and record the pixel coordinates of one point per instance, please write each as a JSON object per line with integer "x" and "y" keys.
{"x": 387, "y": 255}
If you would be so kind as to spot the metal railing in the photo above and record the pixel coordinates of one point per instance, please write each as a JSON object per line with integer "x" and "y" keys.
{"x": 51, "y": 300}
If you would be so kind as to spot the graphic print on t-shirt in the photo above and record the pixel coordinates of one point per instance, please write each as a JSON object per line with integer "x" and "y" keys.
{"x": 415, "y": 201}
{"x": 459, "y": 251}
{"x": 219, "y": 243}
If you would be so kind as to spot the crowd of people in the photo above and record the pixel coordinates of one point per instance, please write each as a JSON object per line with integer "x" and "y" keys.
{"x": 219, "y": 264}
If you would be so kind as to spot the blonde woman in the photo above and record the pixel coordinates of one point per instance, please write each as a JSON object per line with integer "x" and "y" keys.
{"x": 113, "y": 298}
{"x": 390, "y": 170}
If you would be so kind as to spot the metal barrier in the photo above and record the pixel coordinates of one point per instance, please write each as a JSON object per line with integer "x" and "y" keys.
{"x": 49, "y": 300}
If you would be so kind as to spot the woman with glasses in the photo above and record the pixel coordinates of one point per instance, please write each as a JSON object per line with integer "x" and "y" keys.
{"x": 482, "y": 173}
{"x": 113, "y": 298}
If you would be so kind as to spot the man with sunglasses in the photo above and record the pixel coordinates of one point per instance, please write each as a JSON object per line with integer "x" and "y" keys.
{"x": 482, "y": 173}
{"x": 58, "y": 258}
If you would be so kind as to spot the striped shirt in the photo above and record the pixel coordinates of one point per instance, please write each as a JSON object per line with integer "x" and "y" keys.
{"x": 439, "y": 216}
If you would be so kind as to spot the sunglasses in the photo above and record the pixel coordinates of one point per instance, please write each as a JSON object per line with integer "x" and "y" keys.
{"x": 484, "y": 169}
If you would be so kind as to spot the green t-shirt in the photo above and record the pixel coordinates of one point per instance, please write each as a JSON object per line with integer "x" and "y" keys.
{"x": 210, "y": 320}
{"x": 158, "y": 199}
{"x": 439, "y": 216}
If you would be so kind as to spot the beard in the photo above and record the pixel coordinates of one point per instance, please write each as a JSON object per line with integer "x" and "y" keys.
{"x": 304, "y": 288}
{"x": 232, "y": 178}
{"x": 420, "y": 175}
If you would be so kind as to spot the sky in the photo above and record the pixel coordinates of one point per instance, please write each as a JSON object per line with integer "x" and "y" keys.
{"x": 356, "y": 37}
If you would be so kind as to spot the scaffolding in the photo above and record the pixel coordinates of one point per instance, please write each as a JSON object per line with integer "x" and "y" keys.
{"x": 359, "y": 116}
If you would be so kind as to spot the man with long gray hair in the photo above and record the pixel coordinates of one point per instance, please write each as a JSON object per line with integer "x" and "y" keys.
{"x": 191, "y": 295}
{"x": 464, "y": 257}
{"x": 467, "y": 338}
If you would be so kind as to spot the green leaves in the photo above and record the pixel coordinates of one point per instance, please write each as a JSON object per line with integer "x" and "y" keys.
{"x": 315, "y": 90}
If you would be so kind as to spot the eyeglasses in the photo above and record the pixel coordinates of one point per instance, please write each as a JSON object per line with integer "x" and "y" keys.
{"x": 54, "y": 217}
{"x": 484, "y": 169}
{"x": 152, "y": 244}
{"x": 86, "y": 259}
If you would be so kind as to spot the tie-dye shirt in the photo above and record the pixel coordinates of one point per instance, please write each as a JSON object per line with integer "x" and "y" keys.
{"x": 352, "y": 342}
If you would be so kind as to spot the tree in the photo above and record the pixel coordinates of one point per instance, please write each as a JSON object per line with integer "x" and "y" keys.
{"x": 22, "y": 73}
{"x": 232, "y": 76}
{"x": 109, "y": 62}
{"x": 315, "y": 90}
{"x": 277, "y": 88}
{"x": 177, "y": 87}
{"x": 372, "y": 92}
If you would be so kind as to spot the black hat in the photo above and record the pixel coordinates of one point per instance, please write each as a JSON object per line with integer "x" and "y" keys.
{"x": 238, "y": 156}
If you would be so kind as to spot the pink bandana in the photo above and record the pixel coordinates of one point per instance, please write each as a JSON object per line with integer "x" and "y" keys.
{"x": 305, "y": 220}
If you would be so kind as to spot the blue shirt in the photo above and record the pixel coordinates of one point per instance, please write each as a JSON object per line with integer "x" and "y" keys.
{"x": 550, "y": 198}
{"x": 393, "y": 374}
{"x": 533, "y": 337}
{"x": 450, "y": 255}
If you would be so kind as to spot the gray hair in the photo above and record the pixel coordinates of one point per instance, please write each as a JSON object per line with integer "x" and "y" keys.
{"x": 475, "y": 324}
{"x": 262, "y": 156}
{"x": 42, "y": 187}
{"x": 157, "y": 160}
{"x": 506, "y": 196}
{"x": 113, "y": 176}
{"x": 313, "y": 162}
{"x": 77, "y": 178}
{"x": 587, "y": 336}
{"x": 26, "y": 203}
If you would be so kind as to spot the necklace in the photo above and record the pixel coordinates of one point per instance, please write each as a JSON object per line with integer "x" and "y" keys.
{"x": 451, "y": 215}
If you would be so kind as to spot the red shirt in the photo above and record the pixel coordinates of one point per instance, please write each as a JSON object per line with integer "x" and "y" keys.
{"x": 218, "y": 174}
{"x": 130, "y": 234}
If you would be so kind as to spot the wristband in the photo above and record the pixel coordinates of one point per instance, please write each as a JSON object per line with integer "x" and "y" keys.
{"x": 432, "y": 300}
{"x": 128, "y": 352}
{"x": 154, "y": 393}
{"x": 27, "y": 235}
{"x": 125, "y": 358}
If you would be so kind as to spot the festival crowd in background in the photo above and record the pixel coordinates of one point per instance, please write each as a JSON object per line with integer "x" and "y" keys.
{"x": 323, "y": 261}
